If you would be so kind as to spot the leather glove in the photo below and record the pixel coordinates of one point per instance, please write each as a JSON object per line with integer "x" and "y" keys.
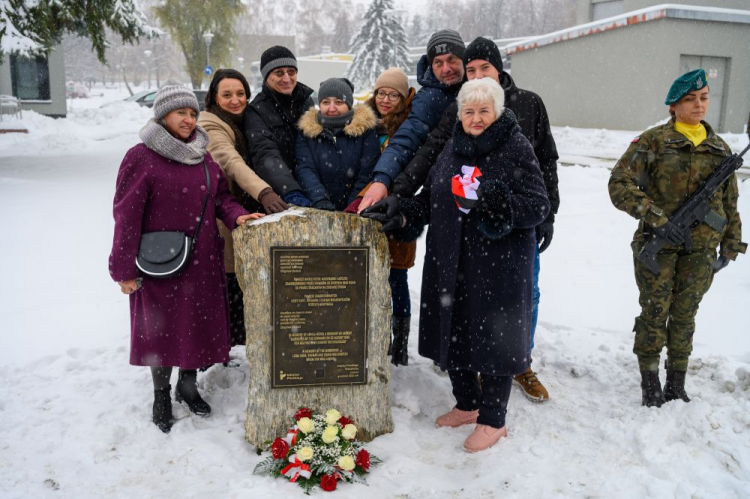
{"x": 324, "y": 204}
{"x": 387, "y": 213}
{"x": 720, "y": 263}
{"x": 272, "y": 202}
{"x": 672, "y": 233}
{"x": 544, "y": 233}
{"x": 297, "y": 199}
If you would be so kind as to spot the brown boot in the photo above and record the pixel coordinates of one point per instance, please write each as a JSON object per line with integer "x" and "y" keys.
{"x": 531, "y": 386}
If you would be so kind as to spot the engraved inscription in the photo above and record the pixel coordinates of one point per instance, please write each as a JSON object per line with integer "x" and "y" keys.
{"x": 319, "y": 305}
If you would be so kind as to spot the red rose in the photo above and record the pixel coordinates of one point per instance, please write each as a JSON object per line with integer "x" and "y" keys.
{"x": 279, "y": 448}
{"x": 303, "y": 412}
{"x": 363, "y": 459}
{"x": 328, "y": 483}
{"x": 343, "y": 421}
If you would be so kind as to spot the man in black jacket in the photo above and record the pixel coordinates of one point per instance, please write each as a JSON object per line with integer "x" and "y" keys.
{"x": 271, "y": 123}
{"x": 482, "y": 59}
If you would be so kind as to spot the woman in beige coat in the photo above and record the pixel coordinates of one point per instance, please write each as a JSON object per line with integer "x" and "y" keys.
{"x": 223, "y": 118}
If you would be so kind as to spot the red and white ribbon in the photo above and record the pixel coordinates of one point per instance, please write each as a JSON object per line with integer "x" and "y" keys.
{"x": 464, "y": 188}
{"x": 291, "y": 436}
{"x": 296, "y": 469}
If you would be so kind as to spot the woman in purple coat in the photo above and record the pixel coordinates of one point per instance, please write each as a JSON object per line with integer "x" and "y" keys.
{"x": 179, "y": 321}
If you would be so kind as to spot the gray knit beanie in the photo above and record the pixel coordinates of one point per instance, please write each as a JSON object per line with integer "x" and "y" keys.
{"x": 276, "y": 57}
{"x": 339, "y": 88}
{"x": 445, "y": 41}
{"x": 171, "y": 97}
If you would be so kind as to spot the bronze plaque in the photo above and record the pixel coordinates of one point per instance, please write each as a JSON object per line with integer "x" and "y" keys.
{"x": 319, "y": 313}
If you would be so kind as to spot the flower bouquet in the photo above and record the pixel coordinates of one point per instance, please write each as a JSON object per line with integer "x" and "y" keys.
{"x": 319, "y": 450}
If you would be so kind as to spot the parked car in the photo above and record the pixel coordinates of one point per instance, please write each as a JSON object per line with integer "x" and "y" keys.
{"x": 146, "y": 98}
{"x": 76, "y": 90}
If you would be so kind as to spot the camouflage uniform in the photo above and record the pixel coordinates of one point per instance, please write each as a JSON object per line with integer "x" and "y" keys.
{"x": 654, "y": 177}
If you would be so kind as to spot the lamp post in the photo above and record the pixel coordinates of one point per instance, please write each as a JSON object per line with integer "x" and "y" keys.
{"x": 207, "y": 37}
{"x": 394, "y": 15}
{"x": 147, "y": 53}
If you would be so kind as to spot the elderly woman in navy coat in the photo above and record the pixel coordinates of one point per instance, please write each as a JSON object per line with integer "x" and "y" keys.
{"x": 482, "y": 200}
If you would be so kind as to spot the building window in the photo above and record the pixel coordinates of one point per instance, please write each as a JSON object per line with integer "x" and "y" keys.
{"x": 602, "y": 10}
{"x": 30, "y": 77}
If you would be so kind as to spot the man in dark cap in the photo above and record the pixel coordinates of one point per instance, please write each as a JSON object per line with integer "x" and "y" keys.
{"x": 660, "y": 169}
{"x": 440, "y": 73}
{"x": 483, "y": 60}
{"x": 271, "y": 123}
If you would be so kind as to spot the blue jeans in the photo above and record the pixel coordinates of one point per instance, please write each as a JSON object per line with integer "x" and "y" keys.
{"x": 399, "y": 282}
{"x": 534, "y": 297}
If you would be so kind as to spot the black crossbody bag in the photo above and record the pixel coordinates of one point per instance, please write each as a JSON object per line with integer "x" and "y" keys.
{"x": 166, "y": 254}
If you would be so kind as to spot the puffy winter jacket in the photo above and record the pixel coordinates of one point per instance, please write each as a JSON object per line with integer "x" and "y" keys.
{"x": 271, "y": 132}
{"x": 427, "y": 108}
{"x": 336, "y": 167}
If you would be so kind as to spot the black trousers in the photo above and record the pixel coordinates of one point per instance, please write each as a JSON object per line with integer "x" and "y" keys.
{"x": 490, "y": 396}
{"x": 236, "y": 311}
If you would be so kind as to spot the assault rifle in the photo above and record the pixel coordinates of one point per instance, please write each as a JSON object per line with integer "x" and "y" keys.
{"x": 694, "y": 211}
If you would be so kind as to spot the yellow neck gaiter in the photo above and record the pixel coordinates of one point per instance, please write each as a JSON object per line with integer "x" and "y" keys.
{"x": 695, "y": 133}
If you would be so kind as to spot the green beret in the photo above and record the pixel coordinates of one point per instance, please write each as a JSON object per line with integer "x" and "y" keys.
{"x": 694, "y": 80}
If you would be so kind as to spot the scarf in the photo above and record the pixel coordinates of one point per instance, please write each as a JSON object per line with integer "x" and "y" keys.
{"x": 236, "y": 122}
{"x": 159, "y": 140}
{"x": 335, "y": 124}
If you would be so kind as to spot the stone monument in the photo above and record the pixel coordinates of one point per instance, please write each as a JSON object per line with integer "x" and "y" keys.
{"x": 317, "y": 318}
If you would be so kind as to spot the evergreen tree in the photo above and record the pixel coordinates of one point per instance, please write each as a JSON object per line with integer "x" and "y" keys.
{"x": 380, "y": 44}
{"x": 418, "y": 35}
{"x": 35, "y": 27}
{"x": 187, "y": 21}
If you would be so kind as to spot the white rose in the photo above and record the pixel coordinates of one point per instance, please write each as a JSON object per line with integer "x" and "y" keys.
{"x": 332, "y": 416}
{"x": 346, "y": 463}
{"x": 305, "y": 424}
{"x": 330, "y": 434}
{"x": 349, "y": 431}
{"x": 305, "y": 454}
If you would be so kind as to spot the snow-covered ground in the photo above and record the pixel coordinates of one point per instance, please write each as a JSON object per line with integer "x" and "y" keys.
{"x": 75, "y": 417}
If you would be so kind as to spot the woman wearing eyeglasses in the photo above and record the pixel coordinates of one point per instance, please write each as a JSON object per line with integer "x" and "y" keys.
{"x": 391, "y": 102}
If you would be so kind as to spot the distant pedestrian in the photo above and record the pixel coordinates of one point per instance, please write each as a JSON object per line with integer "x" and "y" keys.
{"x": 662, "y": 167}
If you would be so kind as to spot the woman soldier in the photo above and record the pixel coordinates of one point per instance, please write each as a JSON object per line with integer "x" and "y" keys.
{"x": 659, "y": 171}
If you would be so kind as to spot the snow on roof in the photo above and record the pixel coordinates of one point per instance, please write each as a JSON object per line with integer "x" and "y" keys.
{"x": 669, "y": 10}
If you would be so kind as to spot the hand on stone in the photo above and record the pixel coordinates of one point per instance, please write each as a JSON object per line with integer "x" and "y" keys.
{"x": 251, "y": 216}
{"x": 375, "y": 193}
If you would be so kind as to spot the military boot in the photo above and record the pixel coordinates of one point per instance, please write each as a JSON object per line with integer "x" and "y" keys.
{"x": 651, "y": 393}
{"x": 675, "y": 386}
{"x": 400, "y": 352}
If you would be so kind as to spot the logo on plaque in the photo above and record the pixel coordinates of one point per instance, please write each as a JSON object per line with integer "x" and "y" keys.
{"x": 319, "y": 313}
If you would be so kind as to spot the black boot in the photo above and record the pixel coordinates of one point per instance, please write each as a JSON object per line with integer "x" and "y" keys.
{"x": 162, "y": 412}
{"x": 187, "y": 391}
{"x": 651, "y": 393}
{"x": 400, "y": 352}
{"x": 674, "y": 389}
